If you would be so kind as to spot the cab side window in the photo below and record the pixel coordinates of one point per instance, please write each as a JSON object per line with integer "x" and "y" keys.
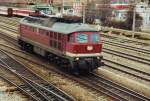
{"x": 71, "y": 38}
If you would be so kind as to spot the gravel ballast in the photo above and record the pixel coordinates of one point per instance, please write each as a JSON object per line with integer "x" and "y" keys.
{"x": 127, "y": 82}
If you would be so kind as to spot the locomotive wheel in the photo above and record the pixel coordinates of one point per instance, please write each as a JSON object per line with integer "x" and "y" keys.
{"x": 49, "y": 56}
{"x": 29, "y": 48}
{"x": 73, "y": 68}
{"x": 25, "y": 46}
{"x": 22, "y": 45}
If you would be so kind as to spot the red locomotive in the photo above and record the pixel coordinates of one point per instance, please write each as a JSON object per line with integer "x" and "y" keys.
{"x": 74, "y": 46}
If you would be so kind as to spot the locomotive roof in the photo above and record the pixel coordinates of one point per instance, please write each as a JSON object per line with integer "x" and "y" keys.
{"x": 59, "y": 25}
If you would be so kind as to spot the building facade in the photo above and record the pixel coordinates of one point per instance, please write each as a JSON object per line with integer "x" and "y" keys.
{"x": 143, "y": 9}
{"x": 120, "y": 9}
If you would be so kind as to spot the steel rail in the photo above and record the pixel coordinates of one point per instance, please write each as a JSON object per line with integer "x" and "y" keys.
{"x": 129, "y": 71}
{"x": 127, "y": 56}
{"x": 125, "y": 39}
{"x": 145, "y": 51}
{"x": 30, "y": 86}
{"x": 74, "y": 78}
{"x": 25, "y": 90}
{"x": 11, "y": 39}
{"x": 89, "y": 85}
{"x": 105, "y": 60}
{"x": 9, "y": 29}
{"x": 22, "y": 70}
{"x": 130, "y": 94}
{"x": 12, "y": 19}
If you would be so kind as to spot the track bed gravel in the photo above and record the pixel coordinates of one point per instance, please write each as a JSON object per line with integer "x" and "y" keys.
{"x": 75, "y": 89}
{"x": 78, "y": 91}
{"x": 9, "y": 93}
{"x": 125, "y": 81}
{"x": 133, "y": 64}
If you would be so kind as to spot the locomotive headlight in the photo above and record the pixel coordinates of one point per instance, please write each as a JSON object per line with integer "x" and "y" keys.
{"x": 98, "y": 58}
{"x": 89, "y": 48}
{"x": 76, "y": 59}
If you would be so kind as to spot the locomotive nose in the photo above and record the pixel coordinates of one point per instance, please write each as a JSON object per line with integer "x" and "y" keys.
{"x": 88, "y": 49}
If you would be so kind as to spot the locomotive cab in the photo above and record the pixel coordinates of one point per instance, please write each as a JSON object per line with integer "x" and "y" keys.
{"x": 85, "y": 49}
{"x": 84, "y": 42}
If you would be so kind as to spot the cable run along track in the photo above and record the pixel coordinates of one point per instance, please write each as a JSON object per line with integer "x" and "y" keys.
{"x": 43, "y": 91}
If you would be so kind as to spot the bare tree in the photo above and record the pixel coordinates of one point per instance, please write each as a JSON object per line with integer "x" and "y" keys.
{"x": 127, "y": 24}
{"x": 105, "y": 11}
{"x": 129, "y": 20}
{"x": 98, "y": 9}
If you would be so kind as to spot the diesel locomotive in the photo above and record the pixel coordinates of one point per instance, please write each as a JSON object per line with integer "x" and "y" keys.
{"x": 72, "y": 45}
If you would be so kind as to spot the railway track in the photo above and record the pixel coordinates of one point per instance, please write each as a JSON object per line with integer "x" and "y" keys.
{"x": 117, "y": 53}
{"x": 8, "y": 28}
{"x": 136, "y": 58}
{"x": 122, "y": 68}
{"x": 117, "y": 95}
{"x": 121, "y": 93}
{"x": 12, "y": 21}
{"x": 44, "y": 90}
{"x": 127, "y": 56}
{"x": 145, "y": 51}
{"x": 126, "y": 39}
{"x": 113, "y": 96}
{"x": 125, "y": 69}
{"x": 128, "y": 70}
{"x": 90, "y": 82}
{"x": 25, "y": 87}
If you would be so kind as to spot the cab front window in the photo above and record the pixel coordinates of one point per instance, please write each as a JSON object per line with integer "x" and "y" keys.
{"x": 82, "y": 38}
{"x": 95, "y": 38}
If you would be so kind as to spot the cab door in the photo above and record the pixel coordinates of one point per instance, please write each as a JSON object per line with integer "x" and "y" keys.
{"x": 64, "y": 43}
{"x": 10, "y": 12}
